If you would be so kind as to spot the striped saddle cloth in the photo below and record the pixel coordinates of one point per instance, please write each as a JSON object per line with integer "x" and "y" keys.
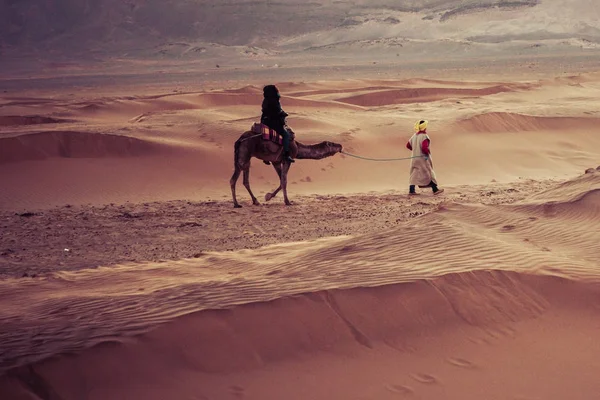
{"x": 267, "y": 133}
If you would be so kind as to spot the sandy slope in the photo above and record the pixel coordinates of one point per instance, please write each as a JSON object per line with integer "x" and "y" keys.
{"x": 116, "y": 217}
{"x": 498, "y": 295}
{"x": 112, "y": 234}
{"x": 167, "y": 147}
{"x": 125, "y": 272}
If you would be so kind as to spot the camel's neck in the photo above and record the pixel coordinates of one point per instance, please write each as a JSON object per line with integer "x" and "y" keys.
{"x": 314, "y": 151}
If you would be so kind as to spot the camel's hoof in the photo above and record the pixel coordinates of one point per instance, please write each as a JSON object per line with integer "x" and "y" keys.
{"x": 237, "y": 206}
{"x": 268, "y": 196}
{"x": 289, "y": 203}
{"x": 256, "y": 203}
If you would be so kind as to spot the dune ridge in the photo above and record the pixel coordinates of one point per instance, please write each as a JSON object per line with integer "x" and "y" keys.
{"x": 72, "y": 144}
{"x": 91, "y": 289}
{"x": 125, "y": 272}
{"x": 19, "y": 120}
{"x": 420, "y": 95}
{"x": 514, "y": 122}
{"x": 521, "y": 238}
{"x": 205, "y": 122}
{"x": 258, "y": 335}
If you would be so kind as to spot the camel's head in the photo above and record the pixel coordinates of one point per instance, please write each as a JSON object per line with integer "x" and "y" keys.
{"x": 332, "y": 147}
{"x": 319, "y": 150}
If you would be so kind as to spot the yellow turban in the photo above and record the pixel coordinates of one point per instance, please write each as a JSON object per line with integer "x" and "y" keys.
{"x": 421, "y": 125}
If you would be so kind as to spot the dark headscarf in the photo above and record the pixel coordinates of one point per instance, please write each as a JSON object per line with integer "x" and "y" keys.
{"x": 271, "y": 92}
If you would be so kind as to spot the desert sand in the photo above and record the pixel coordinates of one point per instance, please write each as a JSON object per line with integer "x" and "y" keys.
{"x": 126, "y": 272}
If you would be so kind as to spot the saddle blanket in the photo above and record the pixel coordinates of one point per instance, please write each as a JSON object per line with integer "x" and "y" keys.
{"x": 267, "y": 133}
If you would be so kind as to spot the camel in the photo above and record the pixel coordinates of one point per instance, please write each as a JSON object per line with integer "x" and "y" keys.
{"x": 251, "y": 144}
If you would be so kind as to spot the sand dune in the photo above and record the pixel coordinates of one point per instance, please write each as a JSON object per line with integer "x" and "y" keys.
{"x": 117, "y": 107}
{"x": 529, "y": 270}
{"x": 238, "y": 100}
{"x": 224, "y": 341}
{"x": 353, "y": 322}
{"x": 126, "y": 272}
{"x": 66, "y": 144}
{"x": 419, "y": 95}
{"x": 28, "y": 120}
{"x": 126, "y": 263}
{"x": 203, "y": 125}
{"x": 118, "y": 233}
{"x": 510, "y": 122}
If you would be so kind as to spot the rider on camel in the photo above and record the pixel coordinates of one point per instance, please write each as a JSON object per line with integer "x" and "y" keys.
{"x": 274, "y": 117}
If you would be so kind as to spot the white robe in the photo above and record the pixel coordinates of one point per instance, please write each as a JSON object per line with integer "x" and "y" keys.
{"x": 421, "y": 170}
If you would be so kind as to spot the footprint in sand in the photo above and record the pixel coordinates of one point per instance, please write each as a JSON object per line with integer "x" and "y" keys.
{"x": 237, "y": 391}
{"x": 461, "y": 363}
{"x": 274, "y": 272}
{"x": 400, "y": 389}
{"x": 425, "y": 378}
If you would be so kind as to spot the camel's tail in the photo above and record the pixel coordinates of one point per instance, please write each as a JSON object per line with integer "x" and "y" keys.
{"x": 236, "y": 152}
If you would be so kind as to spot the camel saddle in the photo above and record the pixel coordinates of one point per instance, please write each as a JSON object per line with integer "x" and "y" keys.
{"x": 268, "y": 133}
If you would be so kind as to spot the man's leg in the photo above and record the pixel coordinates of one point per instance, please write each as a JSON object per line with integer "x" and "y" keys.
{"x": 286, "y": 144}
{"x": 411, "y": 189}
{"x": 435, "y": 188}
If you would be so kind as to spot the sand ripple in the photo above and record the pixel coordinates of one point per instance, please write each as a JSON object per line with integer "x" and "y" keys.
{"x": 67, "y": 311}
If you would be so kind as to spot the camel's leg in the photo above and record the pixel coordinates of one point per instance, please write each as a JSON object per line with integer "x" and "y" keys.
{"x": 269, "y": 196}
{"x": 247, "y": 184}
{"x": 232, "y": 182}
{"x": 284, "y": 171}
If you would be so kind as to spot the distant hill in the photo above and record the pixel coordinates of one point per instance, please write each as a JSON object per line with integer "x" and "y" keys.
{"x": 122, "y": 24}
{"x": 200, "y": 28}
